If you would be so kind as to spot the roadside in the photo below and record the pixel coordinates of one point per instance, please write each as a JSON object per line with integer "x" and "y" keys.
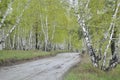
{"x": 52, "y": 68}
{"x": 12, "y": 57}
{"x": 85, "y": 71}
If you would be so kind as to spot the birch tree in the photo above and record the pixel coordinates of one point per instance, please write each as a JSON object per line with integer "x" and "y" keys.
{"x": 16, "y": 24}
{"x": 82, "y": 19}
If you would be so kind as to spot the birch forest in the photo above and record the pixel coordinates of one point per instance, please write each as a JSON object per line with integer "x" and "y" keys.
{"x": 90, "y": 26}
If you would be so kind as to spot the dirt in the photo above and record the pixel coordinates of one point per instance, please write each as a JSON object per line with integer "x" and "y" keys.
{"x": 52, "y": 68}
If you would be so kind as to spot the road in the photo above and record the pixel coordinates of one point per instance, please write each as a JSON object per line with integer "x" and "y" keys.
{"x": 52, "y": 68}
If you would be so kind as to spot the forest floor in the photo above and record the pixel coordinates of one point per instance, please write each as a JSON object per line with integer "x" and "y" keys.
{"x": 12, "y": 57}
{"x": 52, "y": 68}
{"x": 85, "y": 71}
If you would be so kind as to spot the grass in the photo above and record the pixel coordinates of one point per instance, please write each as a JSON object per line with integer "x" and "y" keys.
{"x": 12, "y": 56}
{"x": 85, "y": 71}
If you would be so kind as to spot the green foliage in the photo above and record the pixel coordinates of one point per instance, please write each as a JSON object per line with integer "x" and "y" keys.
{"x": 20, "y": 55}
{"x": 3, "y": 6}
{"x": 102, "y": 12}
{"x": 85, "y": 71}
{"x": 35, "y": 16}
{"x": 9, "y": 56}
{"x": 62, "y": 16}
{"x": 96, "y": 5}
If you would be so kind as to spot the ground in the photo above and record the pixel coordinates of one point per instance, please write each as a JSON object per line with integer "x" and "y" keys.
{"x": 52, "y": 68}
{"x": 85, "y": 71}
{"x": 11, "y": 57}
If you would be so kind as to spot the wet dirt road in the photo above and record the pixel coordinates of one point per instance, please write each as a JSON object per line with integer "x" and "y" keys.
{"x": 52, "y": 68}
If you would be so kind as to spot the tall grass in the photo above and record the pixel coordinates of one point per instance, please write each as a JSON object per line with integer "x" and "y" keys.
{"x": 11, "y": 56}
{"x": 85, "y": 71}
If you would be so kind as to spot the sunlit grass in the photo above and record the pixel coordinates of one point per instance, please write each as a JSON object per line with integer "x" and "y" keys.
{"x": 85, "y": 71}
{"x": 7, "y": 56}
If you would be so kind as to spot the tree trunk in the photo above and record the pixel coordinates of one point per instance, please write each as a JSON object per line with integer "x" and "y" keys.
{"x": 87, "y": 40}
{"x": 16, "y": 23}
{"x": 112, "y": 62}
{"x": 6, "y": 13}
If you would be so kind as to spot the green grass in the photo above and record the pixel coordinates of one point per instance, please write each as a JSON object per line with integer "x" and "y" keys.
{"x": 85, "y": 71}
{"x": 11, "y": 56}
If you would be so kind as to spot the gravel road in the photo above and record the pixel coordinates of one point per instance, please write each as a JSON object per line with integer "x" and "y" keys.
{"x": 52, "y": 68}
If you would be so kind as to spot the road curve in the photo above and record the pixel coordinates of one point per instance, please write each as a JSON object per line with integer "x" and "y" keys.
{"x": 52, "y": 68}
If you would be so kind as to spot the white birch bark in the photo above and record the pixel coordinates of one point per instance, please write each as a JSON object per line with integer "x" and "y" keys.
{"x": 1, "y": 44}
{"x": 86, "y": 7}
{"x": 112, "y": 26}
{"x": 87, "y": 40}
{"x": 45, "y": 31}
{"x": 53, "y": 33}
{"x": 18, "y": 42}
{"x": 30, "y": 40}
{"x": 82, "y": 24}
{"x": 16, "y": 23}
{"x": 47, "y": 37}
{"x": 105, "y": 53}
{"x": 13, "y": 42}
{"x": 42, "y": 26}
{"x": 112, "y": 22}
{"x": 8, "y": 11}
